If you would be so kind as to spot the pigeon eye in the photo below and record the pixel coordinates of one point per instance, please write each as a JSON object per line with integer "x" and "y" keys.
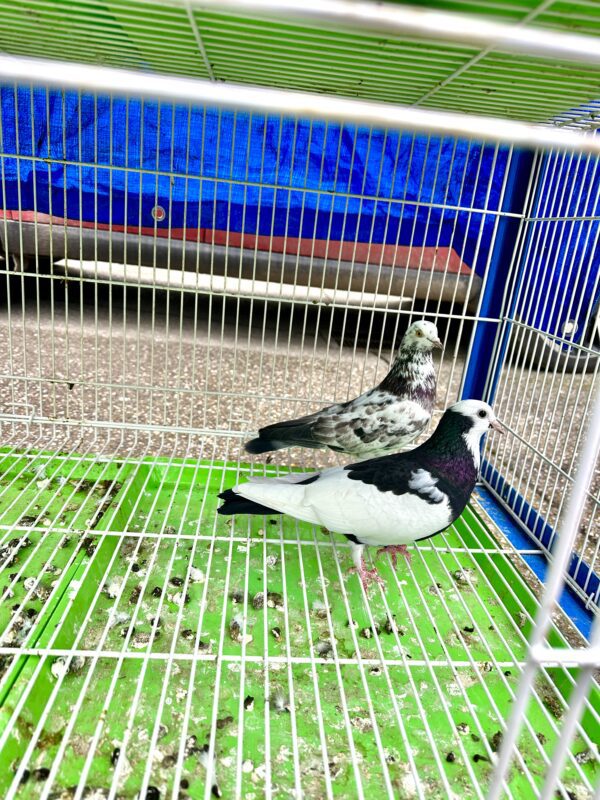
{"x": 419, "y": 333}
{"x": 482, "y": 414}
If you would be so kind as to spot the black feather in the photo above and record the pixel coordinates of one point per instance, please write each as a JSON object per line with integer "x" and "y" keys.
{"x": 260, "y": 445}
{"x": 236, "y": 504}
{"x": 444, "y": 455}
{"x": 288, "y": 433}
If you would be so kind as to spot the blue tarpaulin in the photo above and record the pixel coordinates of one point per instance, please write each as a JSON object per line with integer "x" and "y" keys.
{"x": 245, "y": 173}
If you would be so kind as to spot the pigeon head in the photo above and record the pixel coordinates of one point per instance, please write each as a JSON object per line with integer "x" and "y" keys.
{"x": 479, "y": 415}
{"x": 474, "y": 418}
{"x": 422, "y": 336}
{"x": 412, "y": 372}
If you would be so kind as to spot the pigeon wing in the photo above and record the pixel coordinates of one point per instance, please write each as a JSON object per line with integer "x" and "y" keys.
{"x": 398, "y": 502}
{"x": 419, "y": 473}
{"x": 374, "y": 422}
{"x": 300, "y": 432}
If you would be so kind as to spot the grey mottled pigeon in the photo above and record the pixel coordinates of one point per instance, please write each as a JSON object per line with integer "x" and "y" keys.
{"x": 383, "y": 420}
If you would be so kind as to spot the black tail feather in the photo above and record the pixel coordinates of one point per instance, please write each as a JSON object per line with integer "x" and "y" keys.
{"x": 236, "y": 504}
{"x": 260, "y": 445}
{"x": 289, "y": 433}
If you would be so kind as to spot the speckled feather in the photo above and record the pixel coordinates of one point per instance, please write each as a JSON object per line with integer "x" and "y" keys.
{"x": 382, "y": 420}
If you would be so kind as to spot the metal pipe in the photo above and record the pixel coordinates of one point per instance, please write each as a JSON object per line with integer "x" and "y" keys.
{"x": 399, "y": 20}
{"x": 128, "y": 83}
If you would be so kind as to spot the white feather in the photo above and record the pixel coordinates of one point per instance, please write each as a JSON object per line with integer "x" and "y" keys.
{"x": 290, "y": 477}
{"x": 349, "y": 506}
{"x": 473, "y": 440}
{"x": 424, "y": 483}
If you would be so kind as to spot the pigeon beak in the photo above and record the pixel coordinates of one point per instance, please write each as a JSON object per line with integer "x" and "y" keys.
{"x": 437, "y": 343}
{"x": 497, "y": 426}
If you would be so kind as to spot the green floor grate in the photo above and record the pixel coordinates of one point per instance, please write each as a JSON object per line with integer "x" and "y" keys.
{"x": 140, "y": 630}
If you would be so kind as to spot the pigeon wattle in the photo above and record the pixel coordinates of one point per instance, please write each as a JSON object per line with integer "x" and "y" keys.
{"x": 386, "y": 502}
{"x": 383, "y": 420}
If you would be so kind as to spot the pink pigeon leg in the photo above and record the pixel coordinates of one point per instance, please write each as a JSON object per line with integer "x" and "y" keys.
{"x": 366, "y": 575}
{"x": 393, "y": 549}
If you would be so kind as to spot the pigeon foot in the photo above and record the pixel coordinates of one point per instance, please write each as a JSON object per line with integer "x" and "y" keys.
{"x": 367, "y": 576}
{"x": 393, "y": 549}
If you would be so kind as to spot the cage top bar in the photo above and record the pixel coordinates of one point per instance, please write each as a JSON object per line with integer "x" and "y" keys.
{"x": 129, "y": 83}
{"x": 390, "y": 20}
{"x": 517, "y": 61}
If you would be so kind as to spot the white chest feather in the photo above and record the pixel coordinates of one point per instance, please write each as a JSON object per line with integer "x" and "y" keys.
{"x": 473, "y": 440}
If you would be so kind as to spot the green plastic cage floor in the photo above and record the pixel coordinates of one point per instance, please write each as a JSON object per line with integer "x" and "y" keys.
{"x": 140, "y": 630}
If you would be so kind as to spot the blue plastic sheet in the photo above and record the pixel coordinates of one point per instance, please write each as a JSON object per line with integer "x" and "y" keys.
{"x": 112, "y": 161}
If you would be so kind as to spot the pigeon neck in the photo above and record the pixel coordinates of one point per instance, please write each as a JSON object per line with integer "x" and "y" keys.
{"x": 454, "y": 448}
{"x": 412, "y": 376}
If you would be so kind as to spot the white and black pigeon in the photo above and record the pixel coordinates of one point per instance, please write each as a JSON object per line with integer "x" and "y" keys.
{"x": 383, "y": 420}
{"x": 386, "y": 502}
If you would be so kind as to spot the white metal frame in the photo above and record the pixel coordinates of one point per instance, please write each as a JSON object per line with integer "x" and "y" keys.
{"x": 104, "y": 80}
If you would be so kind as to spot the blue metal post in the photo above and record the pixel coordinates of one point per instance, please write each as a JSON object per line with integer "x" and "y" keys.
{"x": 480, "y": 361}
{"x": 478, "y": 374}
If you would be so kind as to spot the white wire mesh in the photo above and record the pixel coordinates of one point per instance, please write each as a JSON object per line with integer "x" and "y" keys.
{"x": 549, "y": 381}
{"x": 529, "y": 69}
{"x": 135, "y": 364}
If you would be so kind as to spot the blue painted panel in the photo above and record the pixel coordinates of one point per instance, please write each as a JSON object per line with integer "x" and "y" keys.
{"x": 570, "y": 602}
{"x": 478, "y": 368}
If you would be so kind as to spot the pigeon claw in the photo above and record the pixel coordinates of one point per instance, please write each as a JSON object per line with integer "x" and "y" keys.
{"x": 368, "y": 576}
{"x": 393, "y": 549}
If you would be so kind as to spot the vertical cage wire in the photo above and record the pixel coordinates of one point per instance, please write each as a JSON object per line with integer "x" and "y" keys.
{"x": 563, "y": 229}
{"x": 171, "y": 377}
{"x": 536, "y": 654}
{"x": 427, "y": 210}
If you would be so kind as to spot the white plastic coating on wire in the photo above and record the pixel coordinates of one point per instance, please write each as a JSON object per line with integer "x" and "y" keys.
{"x": 487, "y": 49}
{"x": 563, "y": 241}
{"x": 543, "y": 383}
{"x": 576, "y": 704}
{"x": 518, "y": 385}
{"x": 554, "y": 584}
{"x": 48, "y": 708}
{"x": 103, "y": 80}
{"x": 145, "y": 655}
{"x": 117, "y": 434}
{"x": 89, "y": 676}
{"x": 389, "y": 19}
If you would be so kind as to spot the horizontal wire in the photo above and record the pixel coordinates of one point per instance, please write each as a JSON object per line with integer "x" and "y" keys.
{"x": 282, "y": 187}
{"x": 177, "y": 471}
{"x": 117, "y": 82}
{"x": 54, "y": 652}
{"x": 389, "y": 19}
{"x": 577, "y": 346}
{"x": 41, "y": 652}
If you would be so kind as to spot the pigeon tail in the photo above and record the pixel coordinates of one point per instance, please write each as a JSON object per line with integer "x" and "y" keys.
{"x": 236, "y": 504}
{"x": 263, "y": 445}
{"x": 289, "y": 433}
